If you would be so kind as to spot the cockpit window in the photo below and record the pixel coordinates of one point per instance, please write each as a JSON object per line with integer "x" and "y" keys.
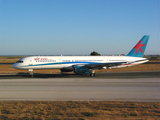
{"x": 19, "y": 61}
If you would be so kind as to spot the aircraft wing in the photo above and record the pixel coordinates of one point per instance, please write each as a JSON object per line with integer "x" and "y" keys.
{"x": 100, "y": 65}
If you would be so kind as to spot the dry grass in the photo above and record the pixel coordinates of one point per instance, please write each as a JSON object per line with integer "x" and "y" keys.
{"x": 7, "y": 69}
{"x": 9, "y": 59}
{"x": 74, "y": 110}
{"x": 141, "y": 67}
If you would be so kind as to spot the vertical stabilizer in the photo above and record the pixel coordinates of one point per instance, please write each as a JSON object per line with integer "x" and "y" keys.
{"x": 139, "y": 48}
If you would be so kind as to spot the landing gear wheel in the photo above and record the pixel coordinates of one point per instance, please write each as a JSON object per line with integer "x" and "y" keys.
{"x": 93, "y": 74}
{"x": 31, "y": 72}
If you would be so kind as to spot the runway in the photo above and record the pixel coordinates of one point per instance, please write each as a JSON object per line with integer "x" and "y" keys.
{"x": 116, "y": 75}
{"x": 74, "y": 88}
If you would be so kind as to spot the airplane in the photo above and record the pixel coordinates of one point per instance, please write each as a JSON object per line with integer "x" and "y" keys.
{"x": 85, "y": 64}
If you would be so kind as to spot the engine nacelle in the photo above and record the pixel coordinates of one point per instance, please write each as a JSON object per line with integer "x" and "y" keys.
{"x": 80, "y": 70}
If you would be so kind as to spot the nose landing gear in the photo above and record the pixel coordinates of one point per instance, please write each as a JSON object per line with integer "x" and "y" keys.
{"x": 31, "y": 72}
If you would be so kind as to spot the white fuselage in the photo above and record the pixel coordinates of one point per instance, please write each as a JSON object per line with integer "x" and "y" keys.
{"x": 62, "y": 62}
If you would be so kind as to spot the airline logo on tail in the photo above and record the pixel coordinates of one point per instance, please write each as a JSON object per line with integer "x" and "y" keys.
{"x": 139, "y": 49}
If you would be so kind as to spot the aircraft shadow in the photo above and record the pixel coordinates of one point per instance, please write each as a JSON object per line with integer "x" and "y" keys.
{"x": 39, "y": 75}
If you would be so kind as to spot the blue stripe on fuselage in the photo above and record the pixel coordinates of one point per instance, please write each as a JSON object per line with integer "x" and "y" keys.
{"x": 58, "y": 63}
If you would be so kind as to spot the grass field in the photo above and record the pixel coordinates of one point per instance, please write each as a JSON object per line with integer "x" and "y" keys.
{"x": 76, "y": 110}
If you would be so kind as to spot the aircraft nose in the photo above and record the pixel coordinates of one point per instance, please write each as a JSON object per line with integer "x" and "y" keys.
{"x": 15, "y": 65}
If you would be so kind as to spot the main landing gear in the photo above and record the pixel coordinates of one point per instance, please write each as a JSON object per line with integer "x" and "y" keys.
{"x": 92, "y": 73}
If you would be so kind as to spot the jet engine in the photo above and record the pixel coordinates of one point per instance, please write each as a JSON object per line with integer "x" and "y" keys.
{"x": 80, "y": 70}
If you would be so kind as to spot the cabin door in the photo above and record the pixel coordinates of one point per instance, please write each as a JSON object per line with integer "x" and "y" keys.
{"x": 30, "y": 62}
{"x": 59, "y": 60}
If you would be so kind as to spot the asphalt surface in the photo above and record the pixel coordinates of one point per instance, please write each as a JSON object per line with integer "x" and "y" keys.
{"x": 129, "y": 86}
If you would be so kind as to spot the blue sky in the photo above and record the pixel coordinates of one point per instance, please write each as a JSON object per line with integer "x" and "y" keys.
{"x": 55, "y": 27}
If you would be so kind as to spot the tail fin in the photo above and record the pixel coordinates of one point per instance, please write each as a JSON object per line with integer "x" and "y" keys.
{"x": 139, "y": 49}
